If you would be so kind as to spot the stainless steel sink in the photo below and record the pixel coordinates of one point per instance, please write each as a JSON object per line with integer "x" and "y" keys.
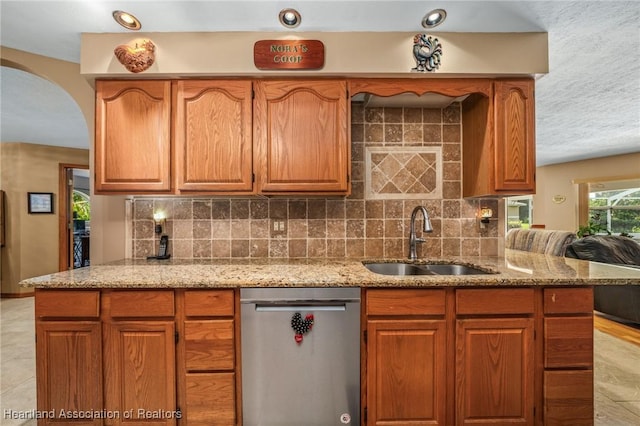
{"x": 402, "y": 268}
{"x": 397, "y": 268}
{"x": 453, "y": 269}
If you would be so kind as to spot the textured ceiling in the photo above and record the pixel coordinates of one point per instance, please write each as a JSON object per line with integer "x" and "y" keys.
{"x": 587, "y": 106}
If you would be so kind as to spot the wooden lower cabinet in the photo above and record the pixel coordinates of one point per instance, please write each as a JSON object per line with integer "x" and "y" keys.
{"x": 139, "y": 371}
{"x": 137, "y": 357}
{"x": 406, "y": 372}
{"x": 568, "y": 356}
{"x": 471, "y": 356}
{"x": 494, "y": 371}
{"x": 209, "y": 354}
{"x": 430, "y": 357}
{"x": 210, "y": 399}
{"x": 568, "y": 397}
{"x": 68, "y": 357}
{"x": 69, "y": 371}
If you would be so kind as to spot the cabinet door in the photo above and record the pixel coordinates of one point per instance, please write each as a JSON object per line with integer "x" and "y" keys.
{"x": 140, "y": 372}
{"x": 406, "y": 372}
{"x": 211, "y": 399}
{"x": 494, "y": 371}
{"x": 568, "y": 342}
{"x": 209, "y": 345}
{"x": 301, "y": 128}
{"x": 568, "y": 397}
{"x": 213, "y": 136}
{"x": 132, "y": 151}
{"x": 515, "y": 136}
{"x": 69, "y": 370}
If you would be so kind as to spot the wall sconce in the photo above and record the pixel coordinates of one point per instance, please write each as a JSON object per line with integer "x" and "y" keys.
{"x": 485, "y": 214}
{"x": 159, "y": 220}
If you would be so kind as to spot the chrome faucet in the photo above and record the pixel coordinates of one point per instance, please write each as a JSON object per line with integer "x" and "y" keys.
{"x": 413, "y": 240}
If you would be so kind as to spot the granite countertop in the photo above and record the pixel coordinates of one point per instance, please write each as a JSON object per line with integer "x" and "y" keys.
{"x": 515, "y": 268}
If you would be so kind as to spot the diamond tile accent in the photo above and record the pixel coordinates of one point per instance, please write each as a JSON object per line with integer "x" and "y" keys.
{"x": 403, "y": 172}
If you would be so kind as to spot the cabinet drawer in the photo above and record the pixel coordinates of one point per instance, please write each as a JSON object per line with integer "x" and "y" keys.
{"x": 494, "y": 301}
{"x": 568, "y": 397}
{"x": 208, "y": 303}
{"x": 67, "y": 303}
{"x": 405, "y": 302}
{"x": 211, "y": 399}
{"x": 568, "y": 342}
{"x": 141, "y": 303}
{"x": 209, "y": 345}
{"x": 568, "y": 300}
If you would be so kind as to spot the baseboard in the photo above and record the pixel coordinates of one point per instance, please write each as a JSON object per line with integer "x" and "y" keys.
{"x": 627, "y": 332}
{"x": 15, "y": 295}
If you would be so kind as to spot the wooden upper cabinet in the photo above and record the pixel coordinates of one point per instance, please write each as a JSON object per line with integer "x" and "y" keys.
{"x": 132, "y": 144}
{"x": 515, "y": 136}
{"x": 302, "y": 136}
{"x": 498, "y": 143}
{"x": 213, "y": 136}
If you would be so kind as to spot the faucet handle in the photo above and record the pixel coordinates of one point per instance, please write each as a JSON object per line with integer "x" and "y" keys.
{"x": 420, "y": 240}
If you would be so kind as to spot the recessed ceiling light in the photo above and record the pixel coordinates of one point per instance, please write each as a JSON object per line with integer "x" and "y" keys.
{"x": 434, "y": 18}
{"x": 127, "y": 20}
{"x": 289, "y": 18}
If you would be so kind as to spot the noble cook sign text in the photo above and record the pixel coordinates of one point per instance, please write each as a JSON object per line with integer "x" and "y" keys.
{"x": 288, "y": 54}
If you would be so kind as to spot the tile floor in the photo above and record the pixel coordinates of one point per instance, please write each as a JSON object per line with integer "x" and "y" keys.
{"x": 617, "y": 370}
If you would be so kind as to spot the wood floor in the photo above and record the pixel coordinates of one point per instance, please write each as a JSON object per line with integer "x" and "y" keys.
{"x": 625, "y": 332}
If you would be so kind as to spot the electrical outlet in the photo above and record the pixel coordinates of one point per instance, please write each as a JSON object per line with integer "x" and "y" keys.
{"x": 279, "y": 226}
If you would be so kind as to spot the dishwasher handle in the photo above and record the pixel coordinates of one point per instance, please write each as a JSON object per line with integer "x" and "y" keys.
{"x": 294, "y": 306}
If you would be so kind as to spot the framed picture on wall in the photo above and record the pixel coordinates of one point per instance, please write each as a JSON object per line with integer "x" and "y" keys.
{"x": 40, "y": 202}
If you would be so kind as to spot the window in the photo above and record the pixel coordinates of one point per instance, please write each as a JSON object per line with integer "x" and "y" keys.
{"x": 81, "y": 205}
{"x": 615, "y": 210}
{"x": 519, "y": 212}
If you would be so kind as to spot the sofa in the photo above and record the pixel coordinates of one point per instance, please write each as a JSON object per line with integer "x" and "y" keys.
{"x": 542, "y": 241}
{"x": 620, "y": 301}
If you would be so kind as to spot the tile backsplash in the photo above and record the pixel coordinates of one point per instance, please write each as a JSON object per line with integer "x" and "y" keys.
{"x": 401, "y": 158}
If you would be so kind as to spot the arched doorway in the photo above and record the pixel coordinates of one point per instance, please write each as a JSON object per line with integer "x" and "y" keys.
{"x": 46, "y": 127}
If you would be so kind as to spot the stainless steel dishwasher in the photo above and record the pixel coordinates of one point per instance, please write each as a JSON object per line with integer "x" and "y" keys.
{"x": 300, "y": 356}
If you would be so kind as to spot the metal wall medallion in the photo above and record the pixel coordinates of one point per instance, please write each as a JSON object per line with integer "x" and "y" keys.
{"x": 427, "y": 52}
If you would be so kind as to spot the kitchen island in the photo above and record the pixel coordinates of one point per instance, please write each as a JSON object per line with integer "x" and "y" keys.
{"x": 159, "y": 342}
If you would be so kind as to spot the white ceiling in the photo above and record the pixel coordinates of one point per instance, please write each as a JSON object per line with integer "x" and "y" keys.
{"x": 587, "y": 106}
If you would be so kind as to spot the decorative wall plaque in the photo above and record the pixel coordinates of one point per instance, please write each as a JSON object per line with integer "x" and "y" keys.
{"x": 136, "y": 56}
{"x": 427, "y": 51}
{"x": 288, "y": 54}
